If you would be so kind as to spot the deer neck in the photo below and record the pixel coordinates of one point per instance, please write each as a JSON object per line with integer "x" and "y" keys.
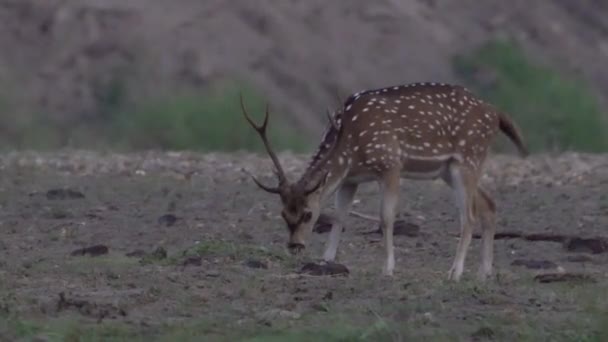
{"x": 330, "y": 166}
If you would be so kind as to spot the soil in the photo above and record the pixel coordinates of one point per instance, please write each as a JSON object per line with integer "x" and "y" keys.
{"x": 109, "y": 253}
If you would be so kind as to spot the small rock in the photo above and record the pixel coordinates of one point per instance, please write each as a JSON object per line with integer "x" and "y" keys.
{"x": 252, "y": 263}
{"x": 212, "y": 274}
{"x": 483, "y": 333}
{"x": 591, "y": 245}
{"x": 95, "y": 250}
{"x": 534, "y": 264}
{"x": 324, "y": 268}
{"x": 159, "y": 253}
{"x": 167, "y": 220}
{"x": 406, "y": 228}
{"x": 192, "y": 261}
{"x": 63, "y": 194}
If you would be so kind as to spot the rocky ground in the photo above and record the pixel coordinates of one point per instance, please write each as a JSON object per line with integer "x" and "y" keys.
{"x": 180, "y": 246}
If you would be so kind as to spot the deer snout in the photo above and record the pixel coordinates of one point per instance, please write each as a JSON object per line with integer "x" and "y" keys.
{"x": 295, "y": 247}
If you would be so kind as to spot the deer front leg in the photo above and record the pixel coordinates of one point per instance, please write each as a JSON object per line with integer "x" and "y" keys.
{"x": 390, "y": 197}
{"x": 344, "y": 200}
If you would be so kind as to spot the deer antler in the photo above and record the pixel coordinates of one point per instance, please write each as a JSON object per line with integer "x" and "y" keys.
{"x": 332, "y": 121}
{"x": 261, "y": 129}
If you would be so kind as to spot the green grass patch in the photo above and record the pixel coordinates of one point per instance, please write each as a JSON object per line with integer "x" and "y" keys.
{"x": 220, "y": 248}
{"x": 105, "y": 263}
{"x": 71, "y": 329}
{"x": 209, "y": 120}
{"x": 555, "y": 113}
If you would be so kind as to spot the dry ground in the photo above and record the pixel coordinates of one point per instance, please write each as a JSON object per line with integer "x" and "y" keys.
{"x": 226, "y": 275}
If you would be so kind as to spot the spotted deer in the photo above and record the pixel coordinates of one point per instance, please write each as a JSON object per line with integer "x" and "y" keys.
{"x": 416, "y": 131}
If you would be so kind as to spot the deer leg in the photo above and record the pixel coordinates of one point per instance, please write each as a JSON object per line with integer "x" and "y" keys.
{"x": 486, "y": 213}
{"x": 461, "y": 181}
{"x": 344, "y": 200}
{"x": 390, "y": 197}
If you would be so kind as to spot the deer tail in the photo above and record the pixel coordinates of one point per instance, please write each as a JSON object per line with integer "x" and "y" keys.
{"x": 510, "y": 129}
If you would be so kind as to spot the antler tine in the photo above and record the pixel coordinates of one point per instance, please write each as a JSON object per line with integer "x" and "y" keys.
{"x": 272, "y": 190}
{"x": 261, "y": 129}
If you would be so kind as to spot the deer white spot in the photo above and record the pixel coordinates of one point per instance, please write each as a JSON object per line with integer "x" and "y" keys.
{"x": 470, "y": 133}
{"x": 396, "y": 88}
{"x": 362, "y": 133}
{"x": 348, "y": 107}
{"x": 426, "y": 144}
{"x": 397, "y": 101}
{"x": 372, "y": 124}
{"x": 435, "y": 151}
{"x": 365, "y": 109}
{"x": 355, "y": 117}
{"x": 356, "y": 148}
{"x": 382, "y": 102}
{"x": 340, "y": 160}
{"x": 462, "y": 142}
{"x": 411, "y": 107}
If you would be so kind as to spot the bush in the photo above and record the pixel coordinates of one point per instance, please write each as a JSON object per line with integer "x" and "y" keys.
{"x": 554, "y": 113}
{"x": 209, "y": 122}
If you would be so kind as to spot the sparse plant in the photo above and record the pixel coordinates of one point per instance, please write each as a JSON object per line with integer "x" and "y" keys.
{"x": 555, "y": 113}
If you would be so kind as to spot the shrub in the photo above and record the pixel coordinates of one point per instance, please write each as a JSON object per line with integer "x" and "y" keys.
{"x": 211, "y": 121}
{"x": 554, "y": 113}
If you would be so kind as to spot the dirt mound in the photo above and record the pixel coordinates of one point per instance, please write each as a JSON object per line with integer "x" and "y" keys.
{"x": 68, "y": 57}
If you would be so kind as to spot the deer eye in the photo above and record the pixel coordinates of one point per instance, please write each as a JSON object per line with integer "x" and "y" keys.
{"x": 307, "y": 216}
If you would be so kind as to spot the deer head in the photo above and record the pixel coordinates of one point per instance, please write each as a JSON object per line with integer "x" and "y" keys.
{"x": 300, "y": 200}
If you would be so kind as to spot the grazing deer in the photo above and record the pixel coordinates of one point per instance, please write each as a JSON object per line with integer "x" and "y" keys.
{"x": 415, "y": 131}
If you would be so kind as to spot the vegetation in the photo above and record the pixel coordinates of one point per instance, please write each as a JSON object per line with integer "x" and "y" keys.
{"x": 554, "y": 113}
{"x": 211, "y": 121}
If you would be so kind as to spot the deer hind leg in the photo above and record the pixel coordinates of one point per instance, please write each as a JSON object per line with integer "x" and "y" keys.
{"x": 463, "y": 185}
{"x": 344, "y": 200}
{"x": 485, "y": 211}
{"x": 389, "y": 186}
